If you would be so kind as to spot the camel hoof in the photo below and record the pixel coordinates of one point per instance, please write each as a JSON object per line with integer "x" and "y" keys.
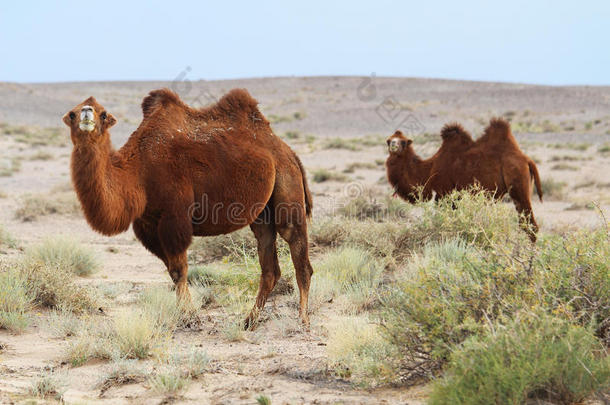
{"x": 250, "y": 323}
{"x": 305, "y": 322}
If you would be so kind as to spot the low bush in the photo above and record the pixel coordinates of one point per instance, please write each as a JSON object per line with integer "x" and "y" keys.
{"x": 533, "y": 356}
{"x": 453, "y": 290}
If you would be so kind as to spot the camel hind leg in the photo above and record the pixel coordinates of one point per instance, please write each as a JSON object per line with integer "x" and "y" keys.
{"x": 295, "y": 233}
{"x": 266, "y": 236}
{"x": 519, "y": 192}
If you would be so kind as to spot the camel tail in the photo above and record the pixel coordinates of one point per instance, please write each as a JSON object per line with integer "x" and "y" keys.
{"x": 308, "y": 199}
{"x": 535, "y": 176}
{"x": 158, "y": 98}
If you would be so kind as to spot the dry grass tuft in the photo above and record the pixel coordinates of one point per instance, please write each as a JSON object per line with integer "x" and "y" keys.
{"x": 65, "y": 253}
{"x": 16, "y": 300}
{"x": 37, "y": 205}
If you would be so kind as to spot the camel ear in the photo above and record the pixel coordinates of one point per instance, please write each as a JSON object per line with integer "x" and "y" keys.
{"x": 409, "y": 142}
{"x": 107, "y": 119}
{"x": 68, "y": 119}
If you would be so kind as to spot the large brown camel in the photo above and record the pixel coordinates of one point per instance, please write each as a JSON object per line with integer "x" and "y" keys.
{"x": 190, "y": 172}
{"x": 494, "y": 161}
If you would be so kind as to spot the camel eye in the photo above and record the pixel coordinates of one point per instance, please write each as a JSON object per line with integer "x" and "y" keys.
{"x": 103, "y": 115}
{"x": 72, "y": 115}
{"x": 403, "y": 143}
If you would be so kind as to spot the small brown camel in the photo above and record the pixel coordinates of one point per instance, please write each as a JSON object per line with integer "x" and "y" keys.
{"x": 190, "y": 172}
{"x": 494, "y": 161}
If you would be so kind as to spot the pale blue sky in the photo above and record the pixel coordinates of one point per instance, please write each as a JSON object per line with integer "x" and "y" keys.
{"x": 546, "y": 42}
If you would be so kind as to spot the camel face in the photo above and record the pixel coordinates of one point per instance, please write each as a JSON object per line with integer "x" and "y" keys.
{"x": 398, "y": 143}
{"x": 87, "y": 119}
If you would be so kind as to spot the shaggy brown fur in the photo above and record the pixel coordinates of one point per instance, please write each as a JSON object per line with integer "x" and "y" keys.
{"x": 195, "y": 172}
{"x": 494, "y": 161}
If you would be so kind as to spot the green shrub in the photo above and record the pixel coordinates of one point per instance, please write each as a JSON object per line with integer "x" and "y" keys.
{"x": 534, "y": 356}
{"x": 452, "y": 291}
{"x": 66, "y": 254}
{"x": 470, "y": 215}
{"x": 15, "y": 300}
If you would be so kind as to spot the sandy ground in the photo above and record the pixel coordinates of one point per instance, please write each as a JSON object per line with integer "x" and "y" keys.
{"x": 562, "y": 128}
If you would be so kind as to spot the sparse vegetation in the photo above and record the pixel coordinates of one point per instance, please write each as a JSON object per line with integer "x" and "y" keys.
{"x": 565, "y": 166}
{"x": 291, "y": 135}
{"x": 66, "y": 254}
{"x": 37, "y": 205}
{"x": 53, "y": 286}
{"x": 41, "y": 155}
{"x": 568, "y": 145}
{"x": 356, "y": 350}
{"x": 531, "y": 127}
{"x": 349, "y": 276}
{"x": 16, "y": 300}
{"x": 352, "y": 167}
{"x": 476, "y": 271}
{"x": 48, "y": 385}
{"x": 209, "y": 249}
{"x": 533, "y": 356}
{"x": 121, "y": 372}
{"x": 35, "y": 136}
{"x": 553, "y": 190}
{"x": 342, "y": 143}
{"x": 9, "y": 166}
{"x": 6, "y": 240}
{"x": 137, "y": 333}
{"x": 322, "y": 175}
{"x": 263, "y": 400}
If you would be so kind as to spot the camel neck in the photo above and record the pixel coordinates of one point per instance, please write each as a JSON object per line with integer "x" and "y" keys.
{"x": 406, "y": 173}
{"x": 107, "y": 186}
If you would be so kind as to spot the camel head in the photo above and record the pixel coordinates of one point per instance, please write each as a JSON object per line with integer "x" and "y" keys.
{"x": 399, "y": 145}
{"x": 88, "y": 121}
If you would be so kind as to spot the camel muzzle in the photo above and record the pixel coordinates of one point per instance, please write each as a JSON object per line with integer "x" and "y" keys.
{"x": 393, "y": 146}
{"x": 87, "y": 122}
